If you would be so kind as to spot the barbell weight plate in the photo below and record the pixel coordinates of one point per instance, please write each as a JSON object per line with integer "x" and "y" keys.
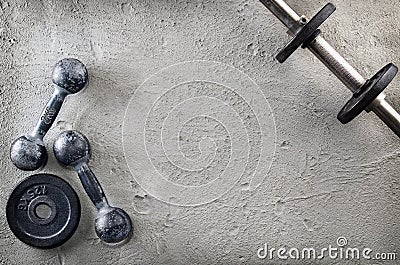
{"x": 60, "y": 211}
{"x": 367, "y": 93}
{"x": 307, "y": 33}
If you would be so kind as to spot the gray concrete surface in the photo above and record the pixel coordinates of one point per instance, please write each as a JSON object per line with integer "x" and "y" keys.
{"x": 326, "y": 180}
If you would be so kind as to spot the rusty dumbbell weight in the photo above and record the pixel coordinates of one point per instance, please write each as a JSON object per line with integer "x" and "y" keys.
{"x": 113, "y": 225}
{"x": 28, "y": 152}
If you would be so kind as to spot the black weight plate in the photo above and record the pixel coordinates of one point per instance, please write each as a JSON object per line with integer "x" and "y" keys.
{"x": 367, "y": 93}
{"x": 307, "y": 33}
{"x": 37, "y": 229}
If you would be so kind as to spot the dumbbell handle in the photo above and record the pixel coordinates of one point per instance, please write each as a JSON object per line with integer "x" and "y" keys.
{"x": 49, "y": 114}
{"x": 347, "y": 74}
{"x": 92, "y": 186}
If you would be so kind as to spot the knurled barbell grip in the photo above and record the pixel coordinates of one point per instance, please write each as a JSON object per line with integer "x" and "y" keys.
{"x": 345, "y": 72}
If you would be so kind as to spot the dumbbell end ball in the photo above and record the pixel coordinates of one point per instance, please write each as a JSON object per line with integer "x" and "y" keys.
{"x": 28, "y": 154}
{"x": 70, "y": 74}
{"x": 71, "y": 148}
{"x": 113, "y": 226}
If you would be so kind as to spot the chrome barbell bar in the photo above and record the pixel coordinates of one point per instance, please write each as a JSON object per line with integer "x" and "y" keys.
{"x": 346, "y": 73}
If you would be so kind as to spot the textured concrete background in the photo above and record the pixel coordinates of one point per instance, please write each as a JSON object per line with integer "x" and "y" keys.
{"x": 327, "y": 180}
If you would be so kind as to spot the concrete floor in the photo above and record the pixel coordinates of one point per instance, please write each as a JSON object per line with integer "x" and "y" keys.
{"x": 299, "y": 177}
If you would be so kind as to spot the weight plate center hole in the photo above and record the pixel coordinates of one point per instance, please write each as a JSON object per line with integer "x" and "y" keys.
{"x": 43, "y": 211}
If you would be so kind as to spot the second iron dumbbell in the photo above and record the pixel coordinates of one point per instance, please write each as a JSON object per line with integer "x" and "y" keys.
{"x": 113, "y": 225}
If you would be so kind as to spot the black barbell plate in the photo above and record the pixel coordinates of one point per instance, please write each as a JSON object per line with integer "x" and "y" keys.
{"x": 367, "y": 93}
{"x": 311, "y": 38}
{"x": 39, "y": 231}
{"x": 307, "y": 31}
